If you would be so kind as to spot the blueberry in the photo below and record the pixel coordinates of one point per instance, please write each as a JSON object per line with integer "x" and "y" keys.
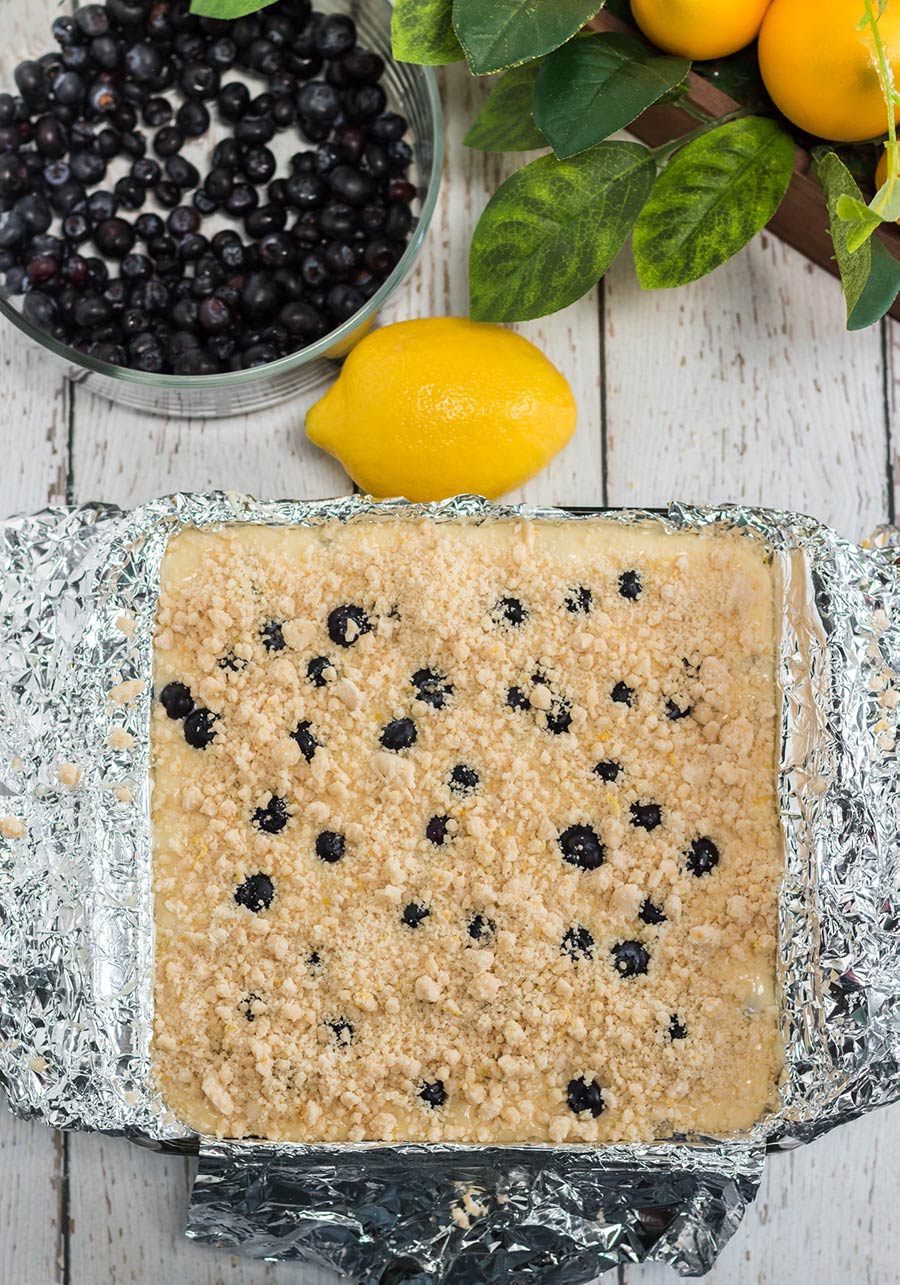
{"x": 168, "y": 141}
{"x": 183, "y": 221}
{"x": 242, "y": 201}
{"x": 36, "y": 213}
{"x": 143, "y": 62}
{"x": 91, "y": 310}
{"x": 222, "y": 53}
{"x": 149, "y": 226}
{"x": 246, "y": 1005}
{"x": 342, "y": 301}
{"x": 192, "y": 118}
{"x": 176, "y": 700}
{"x": 630, "y": 958}
{"x": 318, "y": 103}
{"x": 414, "y": 914}
{"x": 364, "y": 102}
{"x": 646, "y": 816}
{"x": 304, "y": 191}
{"x": 347, "y": 623}
{"x": 389, "y": 128}
{"x": 342, "y": 1030}
{"x": 198, "y": 80}
{"x": 42, "y": 269}
{"x": 114, "y": 238}
{"x": 579, "y": 600}
{"x": 255, "y": 128}
{"x": 13, "y": 229}
{"x": 272, "y": 636}
{"x": 674, "y": 712}
{"x": 581, "y": 846}
{"x": 630, "y": 585}
{"x": 273, "y": 817}
{"x": 351, "y": 185}
{"x": 303, "y": 735}
{"x": 315, "y": 670}
{"x": 199, "y": 729}
{"x": 234, "y": 99}
{"x": 130, "y": 193}
{"x": 677, "y": 1028}
{"x": 302, "y": 319}
{"x": 92, "y": 20}
{"x": 361, "y": 66}
{"x": 622, "y": 694}
{"x": 255, "y": 893}
{"x": 463, "y": 779}
{"x": 330, "y": 846}
{"x": 259, "y": 297}
{"x": 480, "y": 928}
{"x": 582, "y": 1096}
{"x": 214, "y": 316}
{"x": 51, "y": 139}
{"x": 516, "y": 699}
{"x": 558, "y": 718}
{"x": 259, "y": 165}
{"x": 703, "y": 857}
{"x": 31, "y": 82}
{"x": 433, "y": 1093}
{"x": 436, "y": 830}
{"x": 578, "y": 943}
{"x": 431, "y": 687}
{"x": 650, "y": 913}
{"x": 509, "y": 611}
{"x": 399, "y": 734}
{"x": 608, "y": 770}
{"x": 104, "y": 98}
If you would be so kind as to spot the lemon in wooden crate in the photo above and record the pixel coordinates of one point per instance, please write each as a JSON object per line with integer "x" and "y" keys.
{"x": 700, "y": 28}
{"x": 442, "y": 406}
{"x": 820, "y": 66}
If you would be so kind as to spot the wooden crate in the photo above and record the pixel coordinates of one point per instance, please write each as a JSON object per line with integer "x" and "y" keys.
{"x": 802, "y": 218}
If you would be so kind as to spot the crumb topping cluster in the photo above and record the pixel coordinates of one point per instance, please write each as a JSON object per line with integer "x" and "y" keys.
{"x": 465, "y": 832}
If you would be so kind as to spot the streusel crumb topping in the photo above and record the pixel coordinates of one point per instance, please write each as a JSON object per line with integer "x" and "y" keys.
{"x": 465, "y": 832}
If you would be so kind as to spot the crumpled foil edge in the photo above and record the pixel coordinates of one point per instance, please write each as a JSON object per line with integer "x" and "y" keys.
{"x": 76, "y": 929}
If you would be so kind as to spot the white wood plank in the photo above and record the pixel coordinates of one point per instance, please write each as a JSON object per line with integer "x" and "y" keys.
{"x": 826, "y": 1213}
{"x": 570, "y": 339}
{"x": 128, "y": 1213}
{"x": 33, "y": 445}
{"x": 745, "y": 386}
{"x": 892, "y": 348}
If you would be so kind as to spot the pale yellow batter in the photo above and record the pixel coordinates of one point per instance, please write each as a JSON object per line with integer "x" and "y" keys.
{"x": 465, "y": 832}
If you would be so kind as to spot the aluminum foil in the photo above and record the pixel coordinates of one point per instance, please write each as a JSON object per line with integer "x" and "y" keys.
{"x": 78, "y": 589}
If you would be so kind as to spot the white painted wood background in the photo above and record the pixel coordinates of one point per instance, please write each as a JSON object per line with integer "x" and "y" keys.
{"x": 742, "y": 387}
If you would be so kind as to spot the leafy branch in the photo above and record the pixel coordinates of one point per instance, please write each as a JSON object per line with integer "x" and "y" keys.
{"x": 885, "y": 205}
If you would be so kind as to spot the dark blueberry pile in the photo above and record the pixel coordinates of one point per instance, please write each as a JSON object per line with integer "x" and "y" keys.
{"x": 120, "y": 268}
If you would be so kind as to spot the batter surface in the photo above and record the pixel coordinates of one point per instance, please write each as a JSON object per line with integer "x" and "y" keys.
{"x": 465, "y": 832}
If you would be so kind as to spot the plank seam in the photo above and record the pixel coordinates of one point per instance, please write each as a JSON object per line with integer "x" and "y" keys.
{"x": 888, "y": 426}
{"x": 601, "y": 338}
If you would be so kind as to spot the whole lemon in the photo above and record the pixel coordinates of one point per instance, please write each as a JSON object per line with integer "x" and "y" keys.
{"x": 699, "y": 28}
{"x": 438, "y": 407}
{"x": 821, "y": 70}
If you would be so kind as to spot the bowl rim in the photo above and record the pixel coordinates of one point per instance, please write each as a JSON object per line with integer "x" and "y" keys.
{"x": 321, "y": 348}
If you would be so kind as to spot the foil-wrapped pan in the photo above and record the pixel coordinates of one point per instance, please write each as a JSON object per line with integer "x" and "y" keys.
{"x": 78, "y": 590}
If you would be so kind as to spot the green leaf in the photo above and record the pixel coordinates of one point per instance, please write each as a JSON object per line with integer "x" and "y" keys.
{"x": 712, "y": 198}
{"x": 505, "y": 123}
{"x": 552, "y": 230}
{"x": 422, "y": 31}
{"x": 870, "y": 275}
{"x": 854, "y": 266}
{"x": 880, "y": 290}
{"x": 227, "y": 8}
{"x": 860, "y": 220}
{"x": 497, "y": 34}
{"x": 590, "y": 88}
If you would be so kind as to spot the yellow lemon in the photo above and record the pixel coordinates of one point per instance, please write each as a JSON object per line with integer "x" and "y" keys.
{"x": 699, "y": 28}
{"x": 442, "y": 406}
{"x": 820, "y": 67}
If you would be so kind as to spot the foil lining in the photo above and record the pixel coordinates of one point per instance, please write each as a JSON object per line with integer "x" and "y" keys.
{"x": 78, "y": 589}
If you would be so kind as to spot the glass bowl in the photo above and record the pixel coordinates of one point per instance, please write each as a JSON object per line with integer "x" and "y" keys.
{"x": 412, "y": 90}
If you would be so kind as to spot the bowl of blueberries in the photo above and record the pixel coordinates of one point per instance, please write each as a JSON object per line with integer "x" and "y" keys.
{"x": 199, "y": 216}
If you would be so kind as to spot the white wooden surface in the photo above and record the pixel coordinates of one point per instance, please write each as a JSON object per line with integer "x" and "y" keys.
{"x": 742, "y": 387}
